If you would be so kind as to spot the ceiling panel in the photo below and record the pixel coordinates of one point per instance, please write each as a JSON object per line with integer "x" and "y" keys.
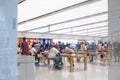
{"x": 40, "y": 30}
{"x": 40, "y": 7}
{"x": 89, "y": 9}
{"x": 80, "y": 22}
{"x": 62, "y": 31}
{"x": 90, "y": 19}
{"x": 90, "y": 26}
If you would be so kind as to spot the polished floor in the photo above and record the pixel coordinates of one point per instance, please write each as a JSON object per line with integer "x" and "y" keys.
{"x": 114, "y": 71}
{"x": 96, "y": 71}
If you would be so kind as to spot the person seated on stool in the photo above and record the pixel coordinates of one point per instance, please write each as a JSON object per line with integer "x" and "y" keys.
{"x": 68, "y": 50}
{"x": 53, "y": 52}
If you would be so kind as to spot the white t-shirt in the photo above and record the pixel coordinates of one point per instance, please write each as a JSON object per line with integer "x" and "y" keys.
{"x": 33, "y": 50}
{"x": 52, "y": 53}
{"x": 68, "y": 50}
{"x": 100, "y": 46}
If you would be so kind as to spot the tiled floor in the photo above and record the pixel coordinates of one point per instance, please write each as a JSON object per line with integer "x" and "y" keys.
{"x": 94, "y": 72}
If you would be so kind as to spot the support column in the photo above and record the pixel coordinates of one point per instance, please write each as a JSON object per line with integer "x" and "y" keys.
{"x": 8, "y": 41}
{"x": 114, "y": 36}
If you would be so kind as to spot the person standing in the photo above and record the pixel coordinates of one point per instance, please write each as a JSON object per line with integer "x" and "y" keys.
{"x": 93, "y": 49}
{"x": 25, "y": 47}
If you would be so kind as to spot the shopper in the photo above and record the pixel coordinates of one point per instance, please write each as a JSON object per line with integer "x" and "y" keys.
{"x": 53, "y": 54}
{"x": 78, "y": 46}
{"x": 102, "y": 51}
{"x": 68, "y": 50}
{"x": 25, "y": 47}
{"x": 33, "y": 50}
{"x": 93, "y": 49}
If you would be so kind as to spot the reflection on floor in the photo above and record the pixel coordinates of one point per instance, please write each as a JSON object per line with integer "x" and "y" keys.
{"x": 94, "y": 72}
{"x": 114, "y": 70}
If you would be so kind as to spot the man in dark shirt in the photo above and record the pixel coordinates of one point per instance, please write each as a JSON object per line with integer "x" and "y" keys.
{"x": 24, "y": 47}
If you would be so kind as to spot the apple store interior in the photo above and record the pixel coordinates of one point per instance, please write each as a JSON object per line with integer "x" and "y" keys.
{"x": 59, "y": 39}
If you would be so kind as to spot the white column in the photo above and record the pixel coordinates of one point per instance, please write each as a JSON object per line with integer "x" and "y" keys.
{"x": 114, "y": 27}
{"x": 8, "y": 53}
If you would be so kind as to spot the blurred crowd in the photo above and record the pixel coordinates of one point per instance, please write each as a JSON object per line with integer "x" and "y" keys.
{"x": 36, "y": 49}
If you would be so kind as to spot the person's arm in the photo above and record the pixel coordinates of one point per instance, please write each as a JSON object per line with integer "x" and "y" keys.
{"x": 21, "y": 47}
{"x": 35, "y": 51}
{"x": 56, "y": 52}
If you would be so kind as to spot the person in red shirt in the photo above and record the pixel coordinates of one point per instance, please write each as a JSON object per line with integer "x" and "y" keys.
{"x": 25, "y": 47}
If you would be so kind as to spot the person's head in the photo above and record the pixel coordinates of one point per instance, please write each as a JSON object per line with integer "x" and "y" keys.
{"x": 51, "y": 46}
{"x": 24, "y": 38}
{"x": 105, "y": 42}
{"x": 102, "y": 44}
{"x": 32, "y": 45}
{"x": 59, "y": 42}
{"x": 68, "y": 45}
{"x": 81, "y": 42}
{"x": 93, "y": 43}
{"x": 18, "y": 45}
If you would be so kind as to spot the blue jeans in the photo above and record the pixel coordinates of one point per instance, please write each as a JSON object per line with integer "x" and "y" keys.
{"x": 58, "y": 60}
{"x": 92, "y": 55}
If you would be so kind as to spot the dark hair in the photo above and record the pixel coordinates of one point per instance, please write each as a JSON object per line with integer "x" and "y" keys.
{"x": 51, "y": 46}
{"x": 102, "y": 44}
{"x": 24, "y": 38}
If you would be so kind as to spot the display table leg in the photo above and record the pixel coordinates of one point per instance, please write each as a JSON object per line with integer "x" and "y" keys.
{"x": 71, "y": 64}
{"x": 85, "y": 63}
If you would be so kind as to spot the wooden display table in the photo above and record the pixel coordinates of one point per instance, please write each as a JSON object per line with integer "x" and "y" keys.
{"x": 71, "y": 57}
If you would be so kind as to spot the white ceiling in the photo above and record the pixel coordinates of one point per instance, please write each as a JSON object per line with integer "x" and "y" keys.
{"x": 78, "y": 17}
